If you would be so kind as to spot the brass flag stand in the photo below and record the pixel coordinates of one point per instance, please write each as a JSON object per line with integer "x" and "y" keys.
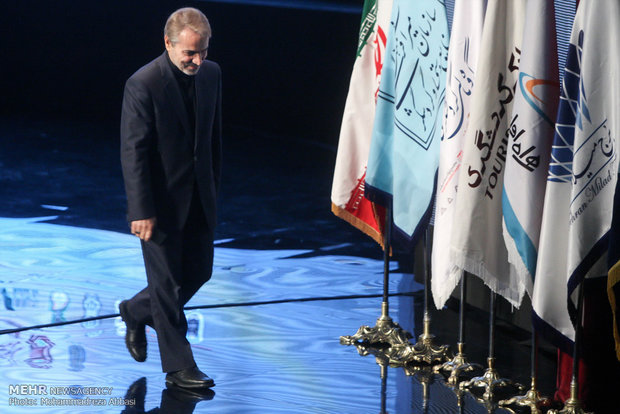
{"x": 386, "y": 333}
{"x": 532, "y": 398}
{"x": 490, "y": 380}
{"x": 459, "y": 365}
{"x": 425, "y": 351}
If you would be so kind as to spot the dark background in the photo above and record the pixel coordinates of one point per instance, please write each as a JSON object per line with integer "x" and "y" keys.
{"x": 286, "y": 73}
{"x": 286, "y": 69}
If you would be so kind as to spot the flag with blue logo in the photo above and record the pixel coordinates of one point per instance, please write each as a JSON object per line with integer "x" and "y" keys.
{"x": 465, "y": 38}
{"x": 530, "y": 135}
{"x": 403, "y": 159}
{"x": 583, "y": 169}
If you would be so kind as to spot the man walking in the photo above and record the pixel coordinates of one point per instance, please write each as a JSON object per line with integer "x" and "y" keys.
{"x": 171, "y": 160}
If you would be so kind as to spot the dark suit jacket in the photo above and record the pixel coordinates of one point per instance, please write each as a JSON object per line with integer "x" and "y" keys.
{"x": 161, "y": 160}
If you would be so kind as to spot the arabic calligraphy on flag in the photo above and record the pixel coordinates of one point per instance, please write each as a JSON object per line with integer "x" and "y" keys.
{"x": 582, "y": 171}
{"x": 403, "y": 157}
{"x": 536, "y": 102}
{"x": 465, "y": 38}
{"x": 477, "y": 244}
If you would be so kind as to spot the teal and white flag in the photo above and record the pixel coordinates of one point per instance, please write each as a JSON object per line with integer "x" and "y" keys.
{"x": 477, "y": 245}
{"x": 530, "y": 135}
{"x": 465, "y": 38}
{"x": 403, "y": 158}
{"x": 582, "y": 171}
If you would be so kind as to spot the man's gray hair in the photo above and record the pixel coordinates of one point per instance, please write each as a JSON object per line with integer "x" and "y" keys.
{"x": 187, "y": 17}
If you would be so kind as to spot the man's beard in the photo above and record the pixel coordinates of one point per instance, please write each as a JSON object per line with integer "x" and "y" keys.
{"x": 190, "y": 69}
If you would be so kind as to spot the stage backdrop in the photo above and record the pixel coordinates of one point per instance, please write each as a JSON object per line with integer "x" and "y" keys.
{"x": 285, "y": 69}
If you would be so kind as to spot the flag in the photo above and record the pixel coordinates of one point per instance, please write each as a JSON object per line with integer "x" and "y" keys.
{"x": 477, "y": 245}
{"x": 583, "y": 170}
{"x": 613, "y": 291}
{"x": 613, "y": 276}
{"x": 467, "y": 26}
{"x": 530, "y": 136}
{"x": 403, "y": 158}
{"x": 348, "y": 201}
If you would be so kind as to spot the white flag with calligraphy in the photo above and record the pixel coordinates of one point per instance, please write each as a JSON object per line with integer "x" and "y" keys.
{"x": 530, "y": 138}
{"x": 582, "y": 170}
{"x": 467, "y": 26}
{"x": 348, "y": 201}
{"x": 478, "y": 245}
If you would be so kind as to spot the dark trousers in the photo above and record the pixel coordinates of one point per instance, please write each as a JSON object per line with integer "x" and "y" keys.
{"x": 175, "y": 270}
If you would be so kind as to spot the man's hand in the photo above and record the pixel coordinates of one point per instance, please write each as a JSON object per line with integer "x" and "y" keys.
{"x": 144, "y": 228}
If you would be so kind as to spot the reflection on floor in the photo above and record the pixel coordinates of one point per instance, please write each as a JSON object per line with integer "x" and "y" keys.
{"x": 278, "y": 357}
{"x": 289, "y": 280}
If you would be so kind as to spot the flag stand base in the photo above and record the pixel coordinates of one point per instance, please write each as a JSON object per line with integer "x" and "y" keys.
{"x": 425, "y": 351}
{"x": 572, "y": 405}
{"x": 457, "y": 366}
{"x": 490, "y": 381}
{"x": 385, "y": 334}
{"x": 531, "y": 399}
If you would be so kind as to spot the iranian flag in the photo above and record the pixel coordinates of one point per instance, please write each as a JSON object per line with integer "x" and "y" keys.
{"x": 348, "y": 201}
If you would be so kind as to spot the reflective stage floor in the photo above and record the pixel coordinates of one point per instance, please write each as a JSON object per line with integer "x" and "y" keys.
{"x": 289, "y": 279}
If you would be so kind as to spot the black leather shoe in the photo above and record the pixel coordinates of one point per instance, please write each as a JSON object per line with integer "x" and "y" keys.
{"x": 135, "y": 337}
{"x": 189, "y": 378}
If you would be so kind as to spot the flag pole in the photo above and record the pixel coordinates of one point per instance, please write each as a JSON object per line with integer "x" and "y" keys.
{"x": 490, "y": 380}
{"x": 573, "y": 405}
{"x": 532, "y": 399}
{"x": 386, "y": 333}
{"x": 425, "y": 351}
{"x": 459, "y": 365}
{"x": 385, "y": 318}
